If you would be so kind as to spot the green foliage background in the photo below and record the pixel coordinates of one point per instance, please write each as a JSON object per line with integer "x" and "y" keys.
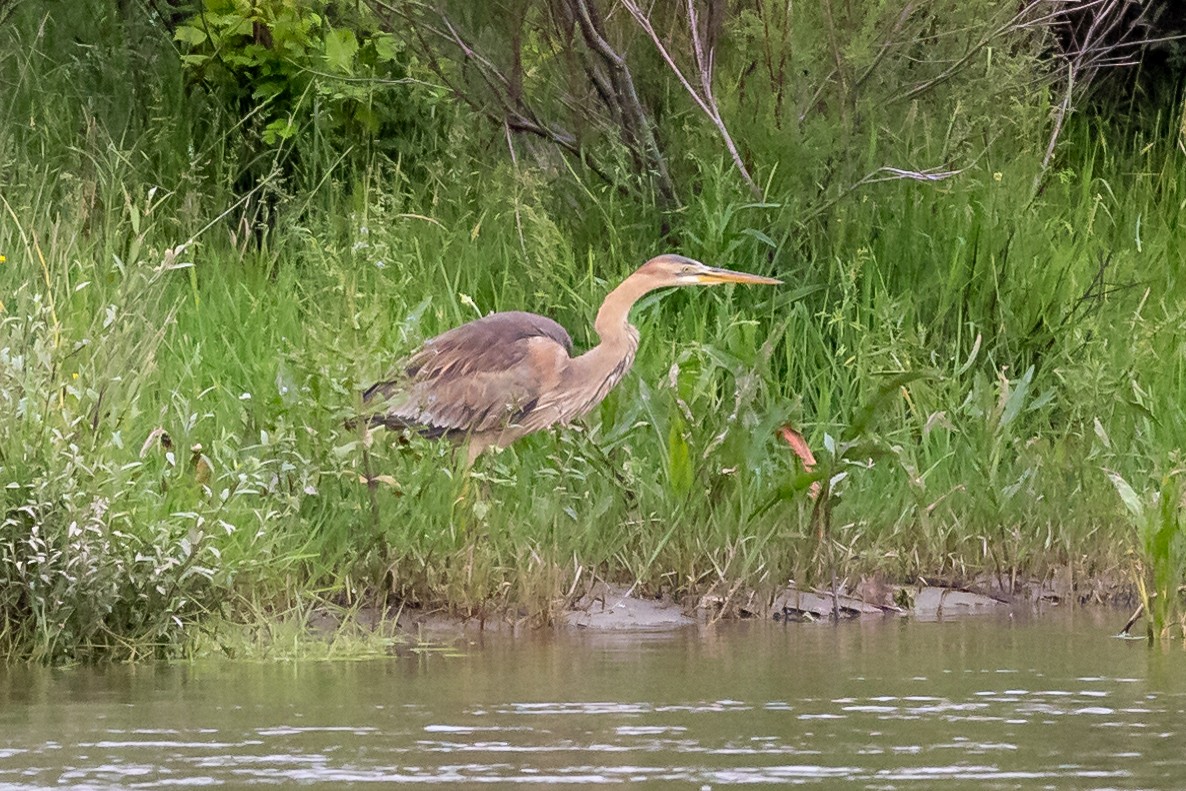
{"x": 226, "y": 235}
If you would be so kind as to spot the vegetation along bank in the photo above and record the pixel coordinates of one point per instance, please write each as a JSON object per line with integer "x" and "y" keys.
{"x": 221, "y": 220}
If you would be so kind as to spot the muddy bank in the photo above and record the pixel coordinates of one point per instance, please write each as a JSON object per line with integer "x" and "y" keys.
{"x": 611, "y": 607}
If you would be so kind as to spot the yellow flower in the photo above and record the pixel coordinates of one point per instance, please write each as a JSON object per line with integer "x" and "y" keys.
{"x": 74, "y": 375}
{"x": 2, "y": 259}
{"x": 998, "y": 176}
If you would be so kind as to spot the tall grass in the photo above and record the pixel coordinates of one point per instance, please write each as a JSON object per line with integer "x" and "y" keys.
{"x": 134, "y": 299}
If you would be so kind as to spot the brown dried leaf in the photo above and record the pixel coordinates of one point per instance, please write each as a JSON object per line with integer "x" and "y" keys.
{"x": 387, "y": 480}
{"x": 203, "y": 468}
{"x": 803, "y": 451}
{"x": 158, "y": 436}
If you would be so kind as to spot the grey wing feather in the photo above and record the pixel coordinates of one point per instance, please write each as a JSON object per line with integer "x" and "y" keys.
{"x": 474, "y": 378}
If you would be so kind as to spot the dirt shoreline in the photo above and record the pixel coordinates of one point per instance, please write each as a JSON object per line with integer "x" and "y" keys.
{"x": 607, "y": 607}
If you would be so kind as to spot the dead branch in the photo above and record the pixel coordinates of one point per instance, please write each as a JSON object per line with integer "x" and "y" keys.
{"x": 704, "y": 97}
{"x": 502, "y": 97}
{"x": 636, "y": 122}
{"x": 775, "y": 71}
{"x": 882, "y": 174}
{"x": 1019, "y": 21}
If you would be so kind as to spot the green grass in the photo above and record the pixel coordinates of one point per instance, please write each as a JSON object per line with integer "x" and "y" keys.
{"x": 1049, "y": 325}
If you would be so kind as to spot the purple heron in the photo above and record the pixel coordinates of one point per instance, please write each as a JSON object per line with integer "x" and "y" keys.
{"x": 505, "y": 375}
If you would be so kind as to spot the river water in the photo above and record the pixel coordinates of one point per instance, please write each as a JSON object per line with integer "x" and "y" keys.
{"x": 986, "y": 702}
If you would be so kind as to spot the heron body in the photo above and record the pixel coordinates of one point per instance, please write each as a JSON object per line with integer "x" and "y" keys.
{"x": 495, "y": 379}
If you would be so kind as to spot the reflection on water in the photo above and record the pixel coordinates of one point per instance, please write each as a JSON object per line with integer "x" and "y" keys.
{"x": 1041, "y": 703}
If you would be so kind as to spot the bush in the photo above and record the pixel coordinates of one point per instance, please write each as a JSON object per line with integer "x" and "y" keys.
{"x": 315, "y": 78}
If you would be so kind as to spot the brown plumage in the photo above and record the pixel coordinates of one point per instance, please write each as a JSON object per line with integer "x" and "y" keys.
{"x": 500, "y": 377}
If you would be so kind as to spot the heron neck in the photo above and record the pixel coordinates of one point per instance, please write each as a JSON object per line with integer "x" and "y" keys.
{"x": 593, "y": 374}
{"x": 613, "y": 319}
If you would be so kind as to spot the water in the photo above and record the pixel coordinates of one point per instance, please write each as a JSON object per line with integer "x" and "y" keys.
{"x": 1051, "y": 702}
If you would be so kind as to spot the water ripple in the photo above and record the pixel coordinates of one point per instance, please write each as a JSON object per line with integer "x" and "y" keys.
{"x": 899, "y": 714}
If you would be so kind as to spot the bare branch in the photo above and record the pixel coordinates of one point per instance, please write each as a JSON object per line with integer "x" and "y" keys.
{"x": 886, "y": 45}
{"x": 500, "y": 94}
{"x": 1016, "y": 22}
{"x": 704, "y": 98}
{"x": 637, "y": 126}
{"x": 513, "y": 110}
{"x": 1059, "y": 116}
{"x": 882, "y": 174}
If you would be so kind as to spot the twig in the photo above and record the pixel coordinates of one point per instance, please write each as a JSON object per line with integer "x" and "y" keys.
{"x": 636, "y": 123}
{"x": 704, "y": 99}
{"x": 1136, "y": 616}
{"x": 512, "y": 109}
{"x": 518, "y": 212}
{"x": 886, "y": 46}
{"x": 884, "y": 173}
{"x": 1016, "y": 22}
{"x": 1060, "y": 115}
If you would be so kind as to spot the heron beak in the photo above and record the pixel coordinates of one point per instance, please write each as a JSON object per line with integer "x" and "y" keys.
{"x": 712, "y": 276}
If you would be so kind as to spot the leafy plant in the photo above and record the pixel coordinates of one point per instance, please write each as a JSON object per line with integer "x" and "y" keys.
{"x": 859, "y": 447}
{"x": 312, "y": 75}
{"x": 1159, "y": 553}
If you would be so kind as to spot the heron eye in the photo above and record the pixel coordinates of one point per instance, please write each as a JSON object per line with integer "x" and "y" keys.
{"x": 685, "y": 270}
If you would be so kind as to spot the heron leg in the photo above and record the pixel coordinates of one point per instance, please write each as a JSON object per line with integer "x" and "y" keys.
{"x": 473, "y": 449}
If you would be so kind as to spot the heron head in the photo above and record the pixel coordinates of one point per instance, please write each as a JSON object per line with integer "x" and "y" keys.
{"x": 676, "y": 270}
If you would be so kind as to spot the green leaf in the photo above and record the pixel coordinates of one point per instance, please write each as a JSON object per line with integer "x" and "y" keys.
{"x": 269, "y": 89}
{"x": 242, "y": 27}
{"x": 679, "y": 459}
{"x": 280, "y": 129}
{"x": 1017, "y": 398}
{"x": 803, "y": 292}
{"x": 1132, "y": 500}
{"x": 190, "y": 35}
{"x": 761, "y": 237}
{"x": 888, "y": 389}
{"x": 340, "y": 48}
{"x": 868, "y": 450}
{"x": 386, "y": 47}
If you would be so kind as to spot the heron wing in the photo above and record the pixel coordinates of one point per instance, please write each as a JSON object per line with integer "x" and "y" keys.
{"x": 479, "y": 377}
